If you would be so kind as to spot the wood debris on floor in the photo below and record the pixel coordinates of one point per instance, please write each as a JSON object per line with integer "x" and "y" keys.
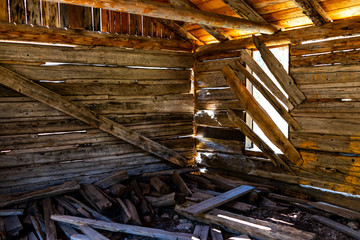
{"x": 172, "y": 204}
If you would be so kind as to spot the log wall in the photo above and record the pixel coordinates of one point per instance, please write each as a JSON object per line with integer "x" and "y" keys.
{"x": 328, "y": 73}
{"x": 147, "y": 91}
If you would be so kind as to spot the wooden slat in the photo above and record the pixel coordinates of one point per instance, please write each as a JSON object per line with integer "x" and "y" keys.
{"x": 343, "y": 212}
{"x": 52, "y": 99}
{"x": 158, "y": 10}
{"x": 335, "y": 225}
{"x": 50, "y": 35}
{"x": 314, "y": 11}
{"x": 211, "y": 203}
{"x": 17, "y": 11}
{"x": 244, "y": 10}
{"x": 275, "y": 67}
{"x": 263, "y": 120}
{"x": 33, "y": 12}
{"x": 50, "y": 14}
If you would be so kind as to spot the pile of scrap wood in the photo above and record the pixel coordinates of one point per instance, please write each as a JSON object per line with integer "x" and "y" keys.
{"x": 123, "y": 207}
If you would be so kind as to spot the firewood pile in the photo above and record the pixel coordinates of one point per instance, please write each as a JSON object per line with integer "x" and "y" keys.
{"x": 172, "y": 204}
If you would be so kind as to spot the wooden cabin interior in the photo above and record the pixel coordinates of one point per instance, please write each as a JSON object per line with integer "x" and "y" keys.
{"x": 224, "y": 117}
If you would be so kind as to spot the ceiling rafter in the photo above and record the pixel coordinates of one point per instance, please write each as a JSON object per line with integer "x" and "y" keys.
{"x": 166, "y": 11}
{"x": 244, "y": 10}
{"x": 314, "y": 11}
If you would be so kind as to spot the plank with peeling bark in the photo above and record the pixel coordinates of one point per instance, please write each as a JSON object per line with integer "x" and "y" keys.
{"x": 238, "y": 122}
{"x": 271, "y": 99}
{"x": 259, "y": 115}
{"x": 314, "y": 11}
{"x": 165, "y": 11}
{"x": 20, "y": 32}
{"x": 276, "y": 68}
{"x": 26, "y": 87}
{"x": 118, "y": 227}
{"x": 218, "y": 200}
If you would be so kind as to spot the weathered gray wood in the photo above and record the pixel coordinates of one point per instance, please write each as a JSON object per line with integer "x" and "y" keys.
{"x": 112, "y": 180}
{"x": 49, "y": 224}
{"x": 253, "y": 227}
{"x": 166, "y": 200}
{"x": 133, "y": 212}
{"x": 340, "y": 211}
{"x": 158, "y": 10}
{"x": 16, "y": 198}
{"x": 11, "y": 212}
{"x": 159, "y": 185}
{"x": 288, "y": 199}
{"x": 344, "y": 229}
{"x": 181, "y": 185}
{"x": 262, "y": 119}
{"x": 271, "y": 99}
{"x": 117, "y": 227}
{"x": 25, "y": 86}
{"x": 201, "y": 232}
{"x": 12, "y": 225}
{"x": 276, "y": 68}
{"x": 169, "y": 172}
{"x": 91, "y": 233}
{"x": 244, "y": 128}
{"x": 250, "y": 62}
{"x": 218, "y": 200}
{"x": 37, "y": 228}
{"x": 314, "y": 11}
{"x": 216, "y": 233}
{"x": 96, "y": 197}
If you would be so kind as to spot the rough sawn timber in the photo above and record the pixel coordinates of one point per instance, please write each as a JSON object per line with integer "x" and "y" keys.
{"x": 166, "y": 11}
{"x": 44, "y": 95}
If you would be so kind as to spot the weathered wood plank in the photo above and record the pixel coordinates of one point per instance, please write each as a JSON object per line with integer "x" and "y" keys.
{"x": 82, "y": 37}
{"x": 314, "y": 11}
{"x": 215, "y": 118}
{"x": 343, "y": 212}
{"x": 113, "y": 179}
{"x": 244, "y": 10}
{"x": 219, "y": 145}
{"x": 211, "y": 203}
{"x": 117, "y": 227}
{"x": 263, "y": 120}
{"x": 52, "y": 99}
{"x": 165, "y": 11}
{"x": 49, "y": 224}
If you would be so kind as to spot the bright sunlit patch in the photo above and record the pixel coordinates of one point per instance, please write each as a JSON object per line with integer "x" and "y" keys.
{"x": 331, "y": 191}
{"x": 60, "y": 133}
{"x": 281, "y": 221}
{"x": 346, "y": 99}
{"x": 194, "y": 238}
{"x": 239, "y": 238}
{"x": 5, "y": 151}
{"x": 216, "y": 230}
{"x": 244, "y": 222}
{"x": 38, "y": 43}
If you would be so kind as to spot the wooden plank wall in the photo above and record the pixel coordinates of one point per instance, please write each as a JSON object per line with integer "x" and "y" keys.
{"x": 328, "y": 73}
{"x": 50, "y": 14}
{"x": 215, "y": 133}
{"x": 41, "y": 146}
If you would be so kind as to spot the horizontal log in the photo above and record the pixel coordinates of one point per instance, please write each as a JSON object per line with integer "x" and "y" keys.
{"x": 349, "y": 90}
{"x": 210, "y": 79}
{"x": 184, "y": 14}
{"x": 216, "y": 65}
{"x": 215, "y": 94}
{"x": 328, "y": 109}
{"x": 19, "y": 32}
{"x": 30, "y": 53}
{"x": 334, "y": 29}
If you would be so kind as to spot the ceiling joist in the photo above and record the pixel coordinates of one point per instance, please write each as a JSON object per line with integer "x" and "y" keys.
{"x": 166, "y": 11}
{"x": 314, "y": 11}
{"x": 244, "y": 10}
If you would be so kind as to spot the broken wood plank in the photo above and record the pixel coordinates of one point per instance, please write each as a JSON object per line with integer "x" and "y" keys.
{"x": 44, "y": 95}
{"x": 216, "y": 233}
{"x": 340, "y": 211}
{"x": 113, "y": 179}
{"x": 288, "y": 199}
{"x": 117, "y": 227}
{"x": 9, "y": 31}
{"x": 11, "y": 212}
{"x": 166, "y": 200}
{"x": 201, "y": 232}
{"x": 169, "y": 172}
{"x": 244, "y": 10}
{"x": 218, "y": 200}
{"x": 96, "y": 197}
{"x": 37, "y": 228}
{"x": 118, "y": 189}
{"x": 166, "y": 11}
{"x": 181, "y": 185}
{"x": 159, "y": 185}
{"x": 12, "y": 225}
{"x": 240, "y": 206}
{"x": 16, "y": 198}
{"x": 254, "y": 66}
{"x": 344, "y": 229}
{"x": 277, "y": 69}
{"x": 71, "y": 233}
{"x": 314, "y": 11}
{"x": 126, "y": 212}
{"x": 255, "y": 228}
{"x": 262, "y": 119}
{"x": 49, "y": 224}
{"x": 266, "y": 149}
{"x": 271, "y": 99}
{"x": 133, "y": 212}
{"x": 91, "y": 233}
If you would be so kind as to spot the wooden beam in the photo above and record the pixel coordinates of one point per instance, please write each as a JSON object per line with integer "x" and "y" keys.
{"x": 50, "y": 98}
{"x": 314, "y": 11}
{"x": 217, "y": 33}
{"x": 250, "y": 62}
{"x": 118, "y": 227}
{"x": 276, "y": 68}
{"x": 218, "y": 200}
{"x": 244, "y": 10}
{"x": 328, "y": 30}
{"x": 166, "y": 11}
{"x": 12, "y": 32}
{"x": 259, "y": 115}
{"x": 268, "y": 95}
{"x": 244, "y": 128}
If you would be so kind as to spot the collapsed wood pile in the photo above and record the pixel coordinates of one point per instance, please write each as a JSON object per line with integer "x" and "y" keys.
{"x": 179, "y": 202}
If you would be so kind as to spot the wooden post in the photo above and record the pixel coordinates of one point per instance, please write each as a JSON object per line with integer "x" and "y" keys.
{"x": 166, "y": 11}
{"x": 259, "y": 115}
{"x": 50, "y": 98}
{"x": 247, "y": 131}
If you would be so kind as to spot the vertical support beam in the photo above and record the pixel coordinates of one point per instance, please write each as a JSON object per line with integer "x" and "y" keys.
{"x": 262, "y": 119}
